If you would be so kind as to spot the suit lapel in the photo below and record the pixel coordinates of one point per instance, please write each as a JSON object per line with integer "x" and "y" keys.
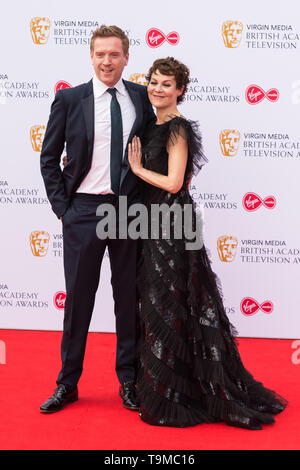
{"x": 89, "y": 117}
{"x": 136, "y": 100}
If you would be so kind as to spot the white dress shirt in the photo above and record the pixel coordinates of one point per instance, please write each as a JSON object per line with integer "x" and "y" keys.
{"x": 97, "y": 181}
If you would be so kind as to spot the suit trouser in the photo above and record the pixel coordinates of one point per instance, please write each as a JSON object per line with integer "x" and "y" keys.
{"x": 83, "y": 254}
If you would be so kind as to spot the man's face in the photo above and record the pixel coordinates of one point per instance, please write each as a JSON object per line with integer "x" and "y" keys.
{"x": 109, "y": 60}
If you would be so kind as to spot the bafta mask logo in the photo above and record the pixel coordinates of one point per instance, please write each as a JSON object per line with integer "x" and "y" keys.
{"x": 227, "y": 246}
{"x": 37, "y": 136}
{"x": 59, "y": 299}
{"x": 232, "y": 33}
{"x": 229, "y": 142}
{"x": 40, "y": 30}
{"x": 138, "y": 78}
{"x": 39, "y": 242}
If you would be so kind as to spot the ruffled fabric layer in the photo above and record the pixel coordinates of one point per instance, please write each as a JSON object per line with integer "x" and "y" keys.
{"x": 190, "y": 368}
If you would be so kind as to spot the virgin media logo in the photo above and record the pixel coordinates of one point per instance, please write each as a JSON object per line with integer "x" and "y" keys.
{"x": 61, "y": 85}
{"x": 155, "y": 37}
{"x": 59, "y": 299}
{"x": 252, "y": 202}
{"x": 250, "y": 306}
{"x": 255, "y": 94}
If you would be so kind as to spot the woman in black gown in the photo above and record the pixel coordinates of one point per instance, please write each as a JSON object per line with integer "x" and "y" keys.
{"x": 190, "y": 368}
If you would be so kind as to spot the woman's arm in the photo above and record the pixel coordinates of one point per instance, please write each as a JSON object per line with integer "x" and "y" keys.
{"x": 178, "y": 154}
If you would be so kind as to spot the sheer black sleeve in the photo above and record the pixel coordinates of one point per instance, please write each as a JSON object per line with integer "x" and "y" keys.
{"x": 188, "y": 130}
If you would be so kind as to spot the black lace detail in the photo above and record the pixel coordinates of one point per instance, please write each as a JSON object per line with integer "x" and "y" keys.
{"x": 190, "y": 368}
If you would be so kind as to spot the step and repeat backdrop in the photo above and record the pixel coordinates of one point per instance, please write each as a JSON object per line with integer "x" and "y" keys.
{"x": 245, "y": 93}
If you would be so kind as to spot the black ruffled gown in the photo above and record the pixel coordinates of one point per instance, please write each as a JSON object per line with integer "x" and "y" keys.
{"x": 190, "y": 369}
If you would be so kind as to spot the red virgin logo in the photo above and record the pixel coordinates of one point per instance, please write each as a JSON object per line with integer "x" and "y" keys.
{"x": 250, "y": 306}
{"x": 255, "y": 94}
{"x": 59, "y": 299}
{"x": 61, "y": 85}
{"x": 252, "y": 202}
{"x": 155, "y": 37}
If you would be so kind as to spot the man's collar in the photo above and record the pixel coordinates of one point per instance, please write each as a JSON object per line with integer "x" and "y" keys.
{"x": 100, "y": 88}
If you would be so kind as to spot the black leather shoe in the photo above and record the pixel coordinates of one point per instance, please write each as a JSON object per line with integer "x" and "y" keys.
{"x": 128, "y": 393}
{"x": 60, "y": 397}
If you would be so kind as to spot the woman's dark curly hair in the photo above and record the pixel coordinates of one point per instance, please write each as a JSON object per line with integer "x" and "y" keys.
{"x": 171, "y": 66}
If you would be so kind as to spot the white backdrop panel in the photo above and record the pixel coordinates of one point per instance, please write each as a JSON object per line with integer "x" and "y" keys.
{"x": 258, "y": 257}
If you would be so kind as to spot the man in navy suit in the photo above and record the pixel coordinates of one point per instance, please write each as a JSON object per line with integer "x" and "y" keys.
{"x": 96, "y": 121}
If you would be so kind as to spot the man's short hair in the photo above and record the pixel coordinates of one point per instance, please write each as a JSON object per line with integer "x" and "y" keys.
{"x": 109, "y": 31}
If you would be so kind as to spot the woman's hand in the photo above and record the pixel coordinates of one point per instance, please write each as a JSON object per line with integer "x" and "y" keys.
{"x": 135, "y": 155}
{"x": 177, "y": 160}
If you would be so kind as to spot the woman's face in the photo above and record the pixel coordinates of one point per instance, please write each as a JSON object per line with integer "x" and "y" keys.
{"x": 162, "y": 90}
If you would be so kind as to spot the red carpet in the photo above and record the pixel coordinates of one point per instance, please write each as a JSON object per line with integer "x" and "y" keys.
{"x": 98, "y": 421}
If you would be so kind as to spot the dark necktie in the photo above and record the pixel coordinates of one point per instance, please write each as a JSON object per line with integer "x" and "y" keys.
{"x": 116, "y": 146}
